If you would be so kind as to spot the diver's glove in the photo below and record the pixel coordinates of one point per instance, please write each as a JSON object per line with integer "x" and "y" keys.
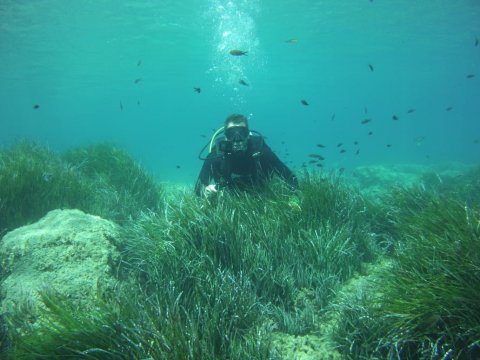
{"x": 294, "y": 203}
{"x": 210, "y": 191}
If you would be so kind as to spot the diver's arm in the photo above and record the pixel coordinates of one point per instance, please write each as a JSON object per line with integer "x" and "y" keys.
{"x": 203, "y": 186}
{"x": 203, "y": 178}
{"x": 272, "y": 164}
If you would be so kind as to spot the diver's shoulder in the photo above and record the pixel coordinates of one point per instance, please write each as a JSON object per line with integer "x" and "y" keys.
{"x": 257, "y": 142}
{"x": 214, "y": 155}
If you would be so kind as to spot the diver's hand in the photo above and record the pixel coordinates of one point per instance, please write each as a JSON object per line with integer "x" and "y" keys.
{"x": 210, "y": 190}
{"x": 295, "y": 203}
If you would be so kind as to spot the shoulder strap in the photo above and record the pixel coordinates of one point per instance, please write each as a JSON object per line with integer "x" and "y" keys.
{"x": 256, "y": 143}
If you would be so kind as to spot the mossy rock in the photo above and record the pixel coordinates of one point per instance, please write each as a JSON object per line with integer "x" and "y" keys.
{"x": 69, "y": 253}
{"x": 102, "y": 180}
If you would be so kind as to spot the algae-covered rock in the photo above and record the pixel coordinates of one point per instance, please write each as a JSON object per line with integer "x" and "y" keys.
{"x": 376, "y": 179}
{"x": 379, "y": 179}
{"x": 70, "y": 252}
{"x": 307, "y": 347}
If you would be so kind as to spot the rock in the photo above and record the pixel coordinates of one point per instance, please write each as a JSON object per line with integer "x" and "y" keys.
{"x": 377, "y": 180}
{"x": 306, "y": 347}
{"x": 67, "y": 251}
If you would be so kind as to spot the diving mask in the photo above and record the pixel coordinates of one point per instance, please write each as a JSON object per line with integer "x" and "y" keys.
{"x": 236, "y": 133}
{"x": 238, "y": 136}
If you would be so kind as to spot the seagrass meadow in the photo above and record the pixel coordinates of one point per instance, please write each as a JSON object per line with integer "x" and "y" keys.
{"x": 331, "y": 272}
{"x": 111, "y": 110}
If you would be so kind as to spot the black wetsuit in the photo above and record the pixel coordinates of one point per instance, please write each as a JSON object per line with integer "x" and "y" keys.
{"x": 247, "y": 170}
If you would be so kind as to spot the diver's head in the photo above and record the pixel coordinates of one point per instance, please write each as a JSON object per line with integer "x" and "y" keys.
{"x": 236, "y": 131}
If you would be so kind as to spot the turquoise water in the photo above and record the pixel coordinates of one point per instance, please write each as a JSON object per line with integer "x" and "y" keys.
{"x": 124, "y": 72}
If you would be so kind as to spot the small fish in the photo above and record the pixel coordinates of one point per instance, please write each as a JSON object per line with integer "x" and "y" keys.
{"x": 139, "y": 62}
{"x": 341, "y": 170}
{"x": 339, "y": 144}
{"x": 389, "y": 145}
{"x": 355, "y": 142}
{"x": 312, "y": 161}
{"x": 410, "y": 111}
{"x": 365, "y": 110}
{"x": 36, "y": 106}
{"x": 476, "y": 41}
{"x": 197, "y": 90}
{"x": 470, "y": 76}
{"x": 137, "y": 80}
{"x": 394, "y": 117}
{"x": 370, "y": 66}
{"x": 238, "y": 52}
{"x": 333, "y": 117}
{"x": 320, "y": 145}
{"x": 449, "y": 108}
{"x": 319, "y": 164}
{"x": 476, "y": 141}
{"x": 46, "y": 177}
{"x": 365, "y": 121}
{"x": 178, "y": 166}
{"x": 304, "y": 102}
{"x": 291, "y": 41}
{"x": 121, "y": 106}
{"x": 343, "y": 151}
{"x": 419, "y": 139}
{"x": 316, "y": 156}
{"x": 242, "y": 82}
{"x": 138, "y": 102}
{"x": 357, "y": 152}
{"x": 370, "y": 133}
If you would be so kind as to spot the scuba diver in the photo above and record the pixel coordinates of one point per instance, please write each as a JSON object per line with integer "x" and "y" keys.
{"x": 240, "y": 159}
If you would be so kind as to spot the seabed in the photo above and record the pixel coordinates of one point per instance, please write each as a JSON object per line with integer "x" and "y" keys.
{"x": 381, "y": 263}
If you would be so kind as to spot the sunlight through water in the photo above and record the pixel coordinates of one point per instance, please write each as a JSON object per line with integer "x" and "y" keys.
{"x": 234, "y": 28}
